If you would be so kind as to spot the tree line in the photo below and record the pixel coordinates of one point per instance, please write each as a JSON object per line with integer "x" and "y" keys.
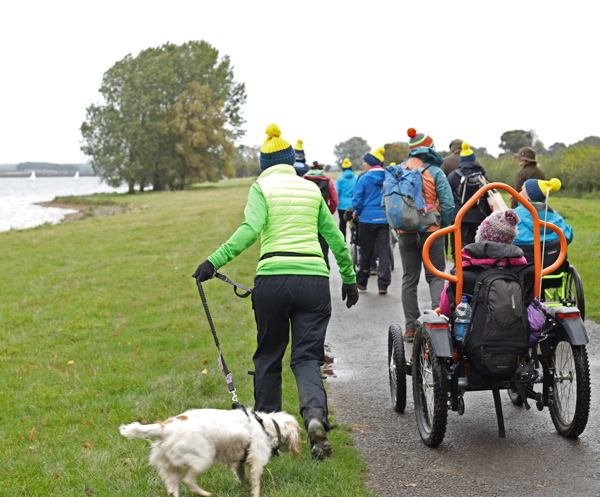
{"x": 575, "y": 165}
{"x": 171, "y": 116}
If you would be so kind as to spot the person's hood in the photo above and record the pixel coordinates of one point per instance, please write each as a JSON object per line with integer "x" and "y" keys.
{"x": 427, "y": 155}
{"x": 348, "y": 173}
{"x": 316, "y": 173}
{"x": 493, "y": 250}
{"x": 471, "y": 167}
{"x": 374, "y": 176}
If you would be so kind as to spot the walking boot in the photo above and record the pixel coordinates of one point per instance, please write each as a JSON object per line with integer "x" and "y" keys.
{"x": 409, "y": 335}
{"x": 320, "y": 448}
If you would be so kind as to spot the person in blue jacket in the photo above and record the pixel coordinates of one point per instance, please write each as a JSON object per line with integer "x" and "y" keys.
{"x": 345, "y": 186}
{"x": 535, "y": 190}
{"x": 373, "y": 229}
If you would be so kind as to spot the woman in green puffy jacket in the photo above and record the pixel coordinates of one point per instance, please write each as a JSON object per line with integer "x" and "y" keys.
{"x": 291, "y": 288}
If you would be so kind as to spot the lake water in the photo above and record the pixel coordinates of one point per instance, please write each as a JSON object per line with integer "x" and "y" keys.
{"x": 18, "y": 197}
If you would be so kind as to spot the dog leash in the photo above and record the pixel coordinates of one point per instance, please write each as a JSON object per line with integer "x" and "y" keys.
{"x": 235, "y": 403}
{"x": 222, "y": 364}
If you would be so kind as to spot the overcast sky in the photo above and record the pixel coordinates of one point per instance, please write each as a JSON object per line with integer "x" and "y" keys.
{"x": 324, "y": 71}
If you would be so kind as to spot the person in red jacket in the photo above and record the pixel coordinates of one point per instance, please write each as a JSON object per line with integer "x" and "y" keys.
{"x": 327, "y": 187}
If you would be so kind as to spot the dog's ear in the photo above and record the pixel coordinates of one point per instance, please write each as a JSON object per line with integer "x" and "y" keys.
{"x": 293, "y": 436}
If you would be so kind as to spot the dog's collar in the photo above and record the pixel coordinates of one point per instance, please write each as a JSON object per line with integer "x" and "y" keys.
{"x": 278, "y": 430}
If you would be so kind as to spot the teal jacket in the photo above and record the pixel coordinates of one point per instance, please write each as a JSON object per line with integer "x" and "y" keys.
{"x": 525, "y": 225}
{"x": 287, "y": 213}
{"x": 345, "y": 186}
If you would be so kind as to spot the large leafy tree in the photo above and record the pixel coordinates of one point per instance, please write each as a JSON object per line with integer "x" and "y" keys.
{"x": 354, "y": 149}
{"x": 138, "y": 116}
{"x": 512, "y": 141}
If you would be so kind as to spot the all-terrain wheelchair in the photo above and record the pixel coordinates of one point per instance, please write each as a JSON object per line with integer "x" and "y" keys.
{"x": 554, "y": 372}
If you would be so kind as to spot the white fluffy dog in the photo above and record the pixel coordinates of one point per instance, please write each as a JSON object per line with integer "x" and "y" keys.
{"x": 186, "y": 445}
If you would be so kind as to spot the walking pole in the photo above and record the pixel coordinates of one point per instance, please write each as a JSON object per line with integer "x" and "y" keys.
{"x": 552, "y": 185}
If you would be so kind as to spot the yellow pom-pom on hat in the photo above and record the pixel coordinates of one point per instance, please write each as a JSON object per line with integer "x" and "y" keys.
{"x": 553, "y": 185}
{"x": 346, "y": 164}
{"x": 273, "y": 131}
{"x": 275, "y": 150}
{"x": 466, "y": 154}
{"x": 299, "y": 145}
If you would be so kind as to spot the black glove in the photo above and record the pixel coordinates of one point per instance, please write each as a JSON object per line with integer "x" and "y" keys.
{"x": 348, "y": 215}
{"x": 350, "y": 294}
{"x": 205, "y": 271}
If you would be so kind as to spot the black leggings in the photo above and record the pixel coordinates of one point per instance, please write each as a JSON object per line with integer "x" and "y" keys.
{"x": 304, "y": 302}
{"x": 343, "y": 222}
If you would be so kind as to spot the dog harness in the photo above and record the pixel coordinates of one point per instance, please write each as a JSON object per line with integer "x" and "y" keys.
{"x": 274, "y": 449}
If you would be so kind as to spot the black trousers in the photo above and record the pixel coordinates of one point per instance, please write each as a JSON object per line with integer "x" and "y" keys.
{"x": 374, "y": 242}
{"x": 343, "y": 222}
{"x": 304, "y": 304}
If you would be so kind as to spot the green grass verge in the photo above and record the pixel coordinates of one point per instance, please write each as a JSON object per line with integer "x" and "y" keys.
{"x": 101, "y": 324}
{"x": 583, "y": 214}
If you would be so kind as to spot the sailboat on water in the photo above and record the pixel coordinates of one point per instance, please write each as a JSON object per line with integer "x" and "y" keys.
{"x": 76, "y": 175}
{"x": 32, "y": 177}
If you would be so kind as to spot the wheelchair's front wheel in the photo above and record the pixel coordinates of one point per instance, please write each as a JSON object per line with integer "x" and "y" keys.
{"x": 397, "y": 368}
{"x": 429, "y": 390}
{"x": 570, "y": 405}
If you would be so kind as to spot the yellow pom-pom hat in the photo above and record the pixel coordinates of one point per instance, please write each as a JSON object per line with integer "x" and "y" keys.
{"x": 375, "y": 157}
{"x": 466, "y": 154}
{"x": 537, "y": 189}
{"x": 346, "y": 164}
{"x": 299, "y": 149}
{"x": 275, "y": 150}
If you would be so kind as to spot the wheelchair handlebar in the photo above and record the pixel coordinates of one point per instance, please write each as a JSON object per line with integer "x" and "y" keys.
{"x": 455, "y": 228}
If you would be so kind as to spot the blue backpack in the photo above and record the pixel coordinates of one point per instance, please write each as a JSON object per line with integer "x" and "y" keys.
{"x": 404, "y": 204}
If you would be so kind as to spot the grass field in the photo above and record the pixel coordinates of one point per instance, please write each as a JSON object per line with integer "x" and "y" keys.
{"x": 583, "y": 214}
{"x": 101, "y": 324}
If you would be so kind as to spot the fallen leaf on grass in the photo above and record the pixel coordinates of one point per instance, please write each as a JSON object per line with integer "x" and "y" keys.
{"x": 71, "y": 362}
{"x": 88, "y": 445}
{"x": 204, "y": 371}
{"x": 32, "y": 435}
{"x": 88, "y": 491}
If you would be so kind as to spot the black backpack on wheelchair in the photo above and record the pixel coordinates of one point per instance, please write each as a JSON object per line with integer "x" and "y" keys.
{"x": 498, "y": 335}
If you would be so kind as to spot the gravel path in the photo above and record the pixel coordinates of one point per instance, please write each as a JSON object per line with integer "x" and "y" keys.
{"x": 472, "y": 460}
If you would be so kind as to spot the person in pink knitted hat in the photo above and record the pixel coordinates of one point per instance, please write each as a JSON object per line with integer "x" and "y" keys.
{"x": 498, "y": 227}
{"x": 493, "y": 247}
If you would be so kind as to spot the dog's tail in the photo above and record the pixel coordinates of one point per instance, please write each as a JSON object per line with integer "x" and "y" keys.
{"x": 138, "y": 430}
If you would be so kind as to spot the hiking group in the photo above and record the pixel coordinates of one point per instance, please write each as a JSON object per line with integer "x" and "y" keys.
{"x": 290, "y": 208}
